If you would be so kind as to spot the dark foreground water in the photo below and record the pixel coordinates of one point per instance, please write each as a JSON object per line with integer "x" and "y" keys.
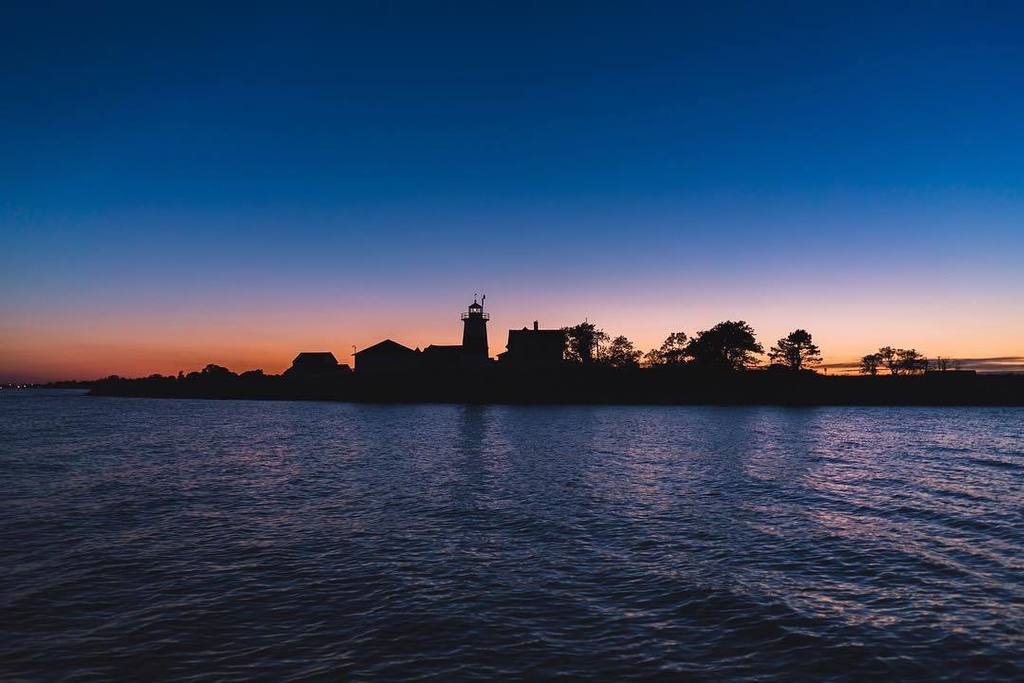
{"x": 146, "y": 539}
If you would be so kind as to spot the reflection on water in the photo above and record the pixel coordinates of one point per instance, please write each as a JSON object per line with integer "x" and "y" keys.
{"x": 203, "y": 539}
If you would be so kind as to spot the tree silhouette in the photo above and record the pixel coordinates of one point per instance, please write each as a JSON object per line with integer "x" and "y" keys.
{"x": 653, "y": 358}
{"x": 726, "y": 346}
{"x": 896, "y": 361}
{"x": 910, "y": 362}
{"x": 869, "y": 364}
{"x": 887, "y": 355}
{"x": 795, "y": 351}
{"x": 621, "y": 353}
{"x": 213, "y": 371}
{"x": 672, "y": 351}
{"x": 583, "y": 343}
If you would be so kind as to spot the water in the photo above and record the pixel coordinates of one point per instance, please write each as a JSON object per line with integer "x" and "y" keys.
{"x": 202, "y": 540}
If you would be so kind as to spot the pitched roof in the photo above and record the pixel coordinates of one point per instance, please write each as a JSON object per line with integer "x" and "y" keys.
{"x": 528, "y": 332}
{"x": 315, "y": 357}
{"x": 386, "y": 347}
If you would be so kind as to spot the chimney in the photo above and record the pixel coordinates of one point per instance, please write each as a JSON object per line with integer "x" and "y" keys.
{"x": 536, "y": 326}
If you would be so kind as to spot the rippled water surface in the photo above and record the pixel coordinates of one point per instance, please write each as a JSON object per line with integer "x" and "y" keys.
{"x": 146, "y": 539}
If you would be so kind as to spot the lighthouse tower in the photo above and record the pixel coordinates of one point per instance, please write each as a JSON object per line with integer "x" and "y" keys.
{"x": 474, "y": 333}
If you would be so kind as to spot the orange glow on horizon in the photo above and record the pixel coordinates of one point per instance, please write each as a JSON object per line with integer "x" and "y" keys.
{"x": 134, "y": 346}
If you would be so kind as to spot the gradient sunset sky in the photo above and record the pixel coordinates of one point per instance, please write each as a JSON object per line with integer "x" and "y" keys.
{"x": 184, "y": 184}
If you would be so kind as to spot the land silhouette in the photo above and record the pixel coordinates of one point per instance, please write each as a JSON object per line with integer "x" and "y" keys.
{"x": 584, "y": 364}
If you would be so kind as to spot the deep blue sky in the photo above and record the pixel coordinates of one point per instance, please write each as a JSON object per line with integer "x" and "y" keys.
{"x": 655, "y": 166}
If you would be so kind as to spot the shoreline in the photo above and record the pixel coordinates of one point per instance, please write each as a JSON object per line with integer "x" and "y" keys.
{"x": 592, "y": 387}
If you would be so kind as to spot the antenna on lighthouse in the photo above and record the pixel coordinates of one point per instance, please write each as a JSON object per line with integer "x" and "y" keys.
{"x": 483, "y": 299}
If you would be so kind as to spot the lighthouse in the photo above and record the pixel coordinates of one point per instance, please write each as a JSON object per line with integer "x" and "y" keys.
{"x": 474, "y": 334}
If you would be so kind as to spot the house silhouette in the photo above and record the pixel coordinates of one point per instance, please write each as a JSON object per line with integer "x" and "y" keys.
{"x": 441, "y": 357}
{"x": 387, "y": 356}
{"x": 534, "y": 348}
{"x": 315, "y": 363}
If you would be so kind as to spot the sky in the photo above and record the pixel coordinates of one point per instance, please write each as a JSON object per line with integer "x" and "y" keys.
{"x": 183, "y": 184}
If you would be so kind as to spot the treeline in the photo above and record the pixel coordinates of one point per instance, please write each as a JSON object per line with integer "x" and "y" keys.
{"x": 572, "y": 383}
{"x": 711, "y": 367}
{"x": 896, "y": 361}
{"x": 728, "y": 346}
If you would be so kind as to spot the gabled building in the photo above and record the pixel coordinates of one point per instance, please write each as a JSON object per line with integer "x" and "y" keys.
{"x": 534, "y": 348}
{"x": 441, "y": 357}
{"x": 315, "y": 364}
{"x": 387, "y": 356}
